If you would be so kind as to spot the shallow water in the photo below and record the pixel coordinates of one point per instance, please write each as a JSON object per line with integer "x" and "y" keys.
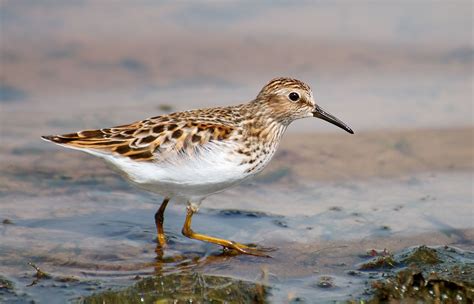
{"x": 404, "y": 179}
{"x": 79, "y": 219}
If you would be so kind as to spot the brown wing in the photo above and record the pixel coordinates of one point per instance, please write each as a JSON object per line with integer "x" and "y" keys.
{"x": 150, "y": 139}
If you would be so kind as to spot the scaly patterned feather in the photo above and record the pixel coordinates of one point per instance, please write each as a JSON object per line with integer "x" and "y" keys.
{"x": 155, "y": 138}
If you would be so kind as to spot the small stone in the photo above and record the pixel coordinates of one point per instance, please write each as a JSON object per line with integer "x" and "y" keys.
{"x": 326, "y": 282}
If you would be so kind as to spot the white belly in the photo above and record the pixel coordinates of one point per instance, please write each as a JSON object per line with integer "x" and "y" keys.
{"x": 192, "y": 176}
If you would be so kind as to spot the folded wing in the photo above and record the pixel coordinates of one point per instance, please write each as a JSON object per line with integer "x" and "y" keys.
{"x": 153, "y": 139}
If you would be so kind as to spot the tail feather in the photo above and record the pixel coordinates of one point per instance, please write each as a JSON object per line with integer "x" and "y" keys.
{"x": 83, "y": 139}
{"x": 88, "y": 139}
{"x": 116, "y": 140}
{"x": 61, "y": 139}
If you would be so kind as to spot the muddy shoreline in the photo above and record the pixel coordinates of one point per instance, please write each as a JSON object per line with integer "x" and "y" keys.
{"x": 83, "y": 221}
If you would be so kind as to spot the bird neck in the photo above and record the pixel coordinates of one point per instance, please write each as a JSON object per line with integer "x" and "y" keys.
{"x": 270, "y": 107}
{"x": 262, "y": 122}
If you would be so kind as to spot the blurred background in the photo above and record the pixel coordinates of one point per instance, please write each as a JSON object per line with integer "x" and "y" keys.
{"x": 384, "y": 65}
{"x": 400, "y": 73}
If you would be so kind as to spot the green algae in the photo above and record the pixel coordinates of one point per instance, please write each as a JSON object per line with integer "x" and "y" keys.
{"x": 6, "y": 285}
{"x": 382, "y": 259}
{"x": 411, "y": 285}
{"x": 423, "y": 255}
{"x": 184, "y": 288}
{"x": 426, "y": 275}
{"x": 7, "y": 290}
{"x": 381, "y": 262}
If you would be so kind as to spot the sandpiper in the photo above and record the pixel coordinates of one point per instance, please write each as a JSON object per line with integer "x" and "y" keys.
{"x": 196, "y": 153}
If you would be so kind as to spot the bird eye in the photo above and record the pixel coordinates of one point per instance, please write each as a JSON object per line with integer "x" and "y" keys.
{"x": 294, "y": 96}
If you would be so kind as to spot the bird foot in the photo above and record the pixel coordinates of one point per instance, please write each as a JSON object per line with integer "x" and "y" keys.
{"x": 250, "y": 249}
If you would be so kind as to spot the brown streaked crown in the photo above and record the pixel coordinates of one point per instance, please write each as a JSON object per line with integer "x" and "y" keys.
{"x": 279, "y": 83}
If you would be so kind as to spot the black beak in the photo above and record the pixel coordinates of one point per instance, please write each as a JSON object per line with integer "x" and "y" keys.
{"x": 320, "y": 113}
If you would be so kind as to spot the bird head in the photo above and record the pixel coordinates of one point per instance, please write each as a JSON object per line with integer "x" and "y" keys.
{"x": 289, "y": 99}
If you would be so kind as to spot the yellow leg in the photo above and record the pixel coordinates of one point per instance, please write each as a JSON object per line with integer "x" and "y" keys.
{"x": 159, "y": 219}
{"x": 187, "y": 231}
